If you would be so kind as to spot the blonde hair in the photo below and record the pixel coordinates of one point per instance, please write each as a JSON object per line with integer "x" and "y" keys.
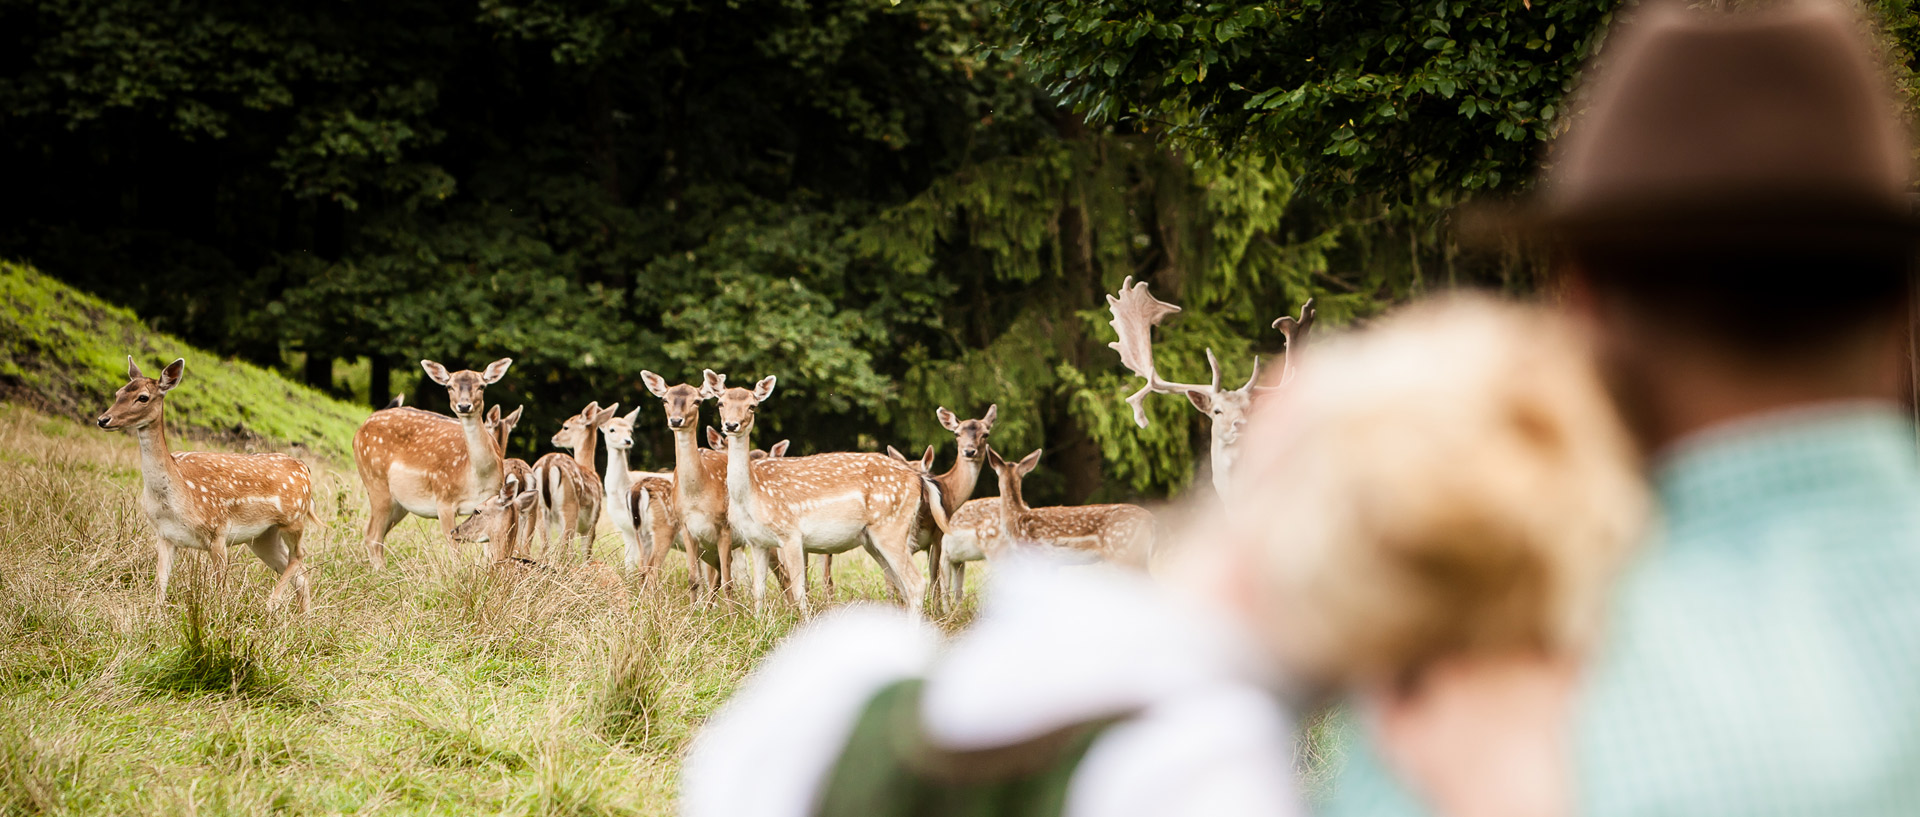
{"x": 1451, "y": 480}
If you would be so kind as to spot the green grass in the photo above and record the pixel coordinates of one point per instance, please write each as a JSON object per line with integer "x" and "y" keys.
{"x": 65, "y": 351}
{"x": 435, "y": 687}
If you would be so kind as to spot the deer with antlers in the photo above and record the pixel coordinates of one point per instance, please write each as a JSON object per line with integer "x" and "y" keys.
{"x": 205, "y": 500}
{"x": 426, "y": 464}
{"x": 568, "y": 485}
{"x": 1136, "y": 312}
{"x": 1118, "y": 533}
{"x": 824, "y": 503}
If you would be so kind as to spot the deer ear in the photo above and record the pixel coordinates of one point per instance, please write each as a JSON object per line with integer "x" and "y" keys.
{"x": 605, "y": 414}
{"x": 992, "y": 412}
{"x": 994, "y": 460}
{"x": 523, "y": 501}
{"x": 1027, "y": 463}
{"x": 779, "y": 449}
{"x": 713, "y": 439}
{"x": 712, "y": 383}
{"x": 763, "y": 389}
{"x": 493, "y": 414}
{"x": 435, "y": 371}
{"x": 654, "y": 383}
{"x": 1201, "y": 400}
{"x": 926, "y": 460}
{"x": 133, "y": 369}
{"x": 947, "y": 420}
{"x": 634, "y": 415}
{"x": 496, "y": 370}
{"x": 170, "y": 376}
{"x": 895, "y": 453}
{"x": 514, "y": 418}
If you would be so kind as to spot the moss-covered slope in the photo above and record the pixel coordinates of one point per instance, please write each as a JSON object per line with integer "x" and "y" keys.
{"x": 66, "y": 351}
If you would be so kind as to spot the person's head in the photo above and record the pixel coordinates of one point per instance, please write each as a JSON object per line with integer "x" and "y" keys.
{"x": 1450, "y": 481}
{"x": 1732, "y": 211}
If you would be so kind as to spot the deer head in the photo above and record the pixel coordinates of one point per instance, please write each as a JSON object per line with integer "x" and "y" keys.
{"x": 466, "y": 388}
{"x": 138, "y": 404}
{"x": 579, "y": 428}
{"x": 501, "y": 518}
{"x": 737, "y": 405}
{"x": 502, "y": 427}
{"x": 923, "y": 465}
{"x": 618, "y": 431}
{"x": 970, "y": 435}
{"x": 1010, "y": 474}
{"x": 682, "y": 401}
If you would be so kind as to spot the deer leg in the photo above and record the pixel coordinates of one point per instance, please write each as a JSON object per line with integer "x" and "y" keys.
{"x": 296, "y": 573}
{"x": 448, "y": 514}
{"x": 273, "y": 554}
{"x": 893, "y": 549}
{"x": 956, "y": 583}
{"x": 757, "y": 557}
{"x": 382, "y": 515}
{"x": 724, "y": 541}
{"x": 826, "y": 575}
{"x": 793, "y": 558}
{"x": 934, "y": 571}
{"x": 163, "y": 570}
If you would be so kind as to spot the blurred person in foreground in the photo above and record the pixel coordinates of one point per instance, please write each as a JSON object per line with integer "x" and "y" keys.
{"x": 1731, "y": 215}
{"x": 1451, "y": 482}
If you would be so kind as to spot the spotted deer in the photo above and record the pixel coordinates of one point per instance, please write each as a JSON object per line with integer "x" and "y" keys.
{"x": 699, "y": 484}
{"x": 824, "y": 503}
{"x": 1122, "y": 534}
{"x": 205, "y": 500}
{"x": 1136, "y": 312}
{"x": 952, "y": 488}
{"x": 973, "y": 534}
{"x": 422, "y": 463}
{"x": 569, "y": 487}
{"x": 502, "y": 428}
{"x": 640, "y": 503}
{"x": 504, "y": 522}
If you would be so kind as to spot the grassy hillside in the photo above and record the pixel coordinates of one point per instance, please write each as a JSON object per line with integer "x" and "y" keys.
{"x": 436, "y": 687}
{"x": 66, "y": 352}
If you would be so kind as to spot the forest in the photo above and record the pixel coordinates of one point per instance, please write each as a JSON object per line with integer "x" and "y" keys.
{"x": 893, "y": 205}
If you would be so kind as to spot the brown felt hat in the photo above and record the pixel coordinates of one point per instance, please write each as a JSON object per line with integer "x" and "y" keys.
{"x": 1706, "y": 130}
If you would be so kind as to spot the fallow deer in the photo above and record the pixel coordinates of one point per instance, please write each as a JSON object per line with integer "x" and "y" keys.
{"x": 640, "y": 503}
{"x": 504, "y": 522}
{"x": 699, "y": 482}
{"x": 422, "y": 463}
{"x": 205, "y": 500}
{"x": 502, "y": 428}
{"x": 1136, "y": 312}
{"x": 825, "y": 503}
{"x": 1122, "y": 534}
{"x": 973, "y": 534}
{"x": 569, "y": 488}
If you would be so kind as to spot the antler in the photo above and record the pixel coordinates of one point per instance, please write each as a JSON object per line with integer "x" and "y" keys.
{"x": 1135, "y": 313}
{"x": 1295, "y": 331}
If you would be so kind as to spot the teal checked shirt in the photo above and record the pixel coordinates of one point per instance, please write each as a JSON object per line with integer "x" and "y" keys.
{"x": 1763, "y": 656}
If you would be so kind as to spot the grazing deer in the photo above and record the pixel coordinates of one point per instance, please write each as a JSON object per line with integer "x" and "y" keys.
{"x": 422, "y": 463}
{"x": 504, "y": 522}
{"x": 569, "y": 488}
{"x": 699, "y": 483}
{"x": 1136, "y": 312}
{"x": 1122, "y": 534}
{"x": 825, "y": 503}
{"x": 206, "y": 500}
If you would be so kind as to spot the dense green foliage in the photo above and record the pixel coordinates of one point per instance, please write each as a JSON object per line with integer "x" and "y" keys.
{"x": 892, "y": 207}
{"x": 67, "y": 350}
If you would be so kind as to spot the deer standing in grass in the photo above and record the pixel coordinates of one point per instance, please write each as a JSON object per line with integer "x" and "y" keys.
{"x": 1122, "y": 534}
{"x": 640, "y": 503}
{"x": 426, "y": 464}
{"x": 502, "y": 428}
{"x": 206, "y": 501}
{"x": 950, "y": 490}
{"x": 825, "y": 503}
{"x": 1136, "y": 312}
{"x": 699, "y": 484}
{"x": 568, "y": 485}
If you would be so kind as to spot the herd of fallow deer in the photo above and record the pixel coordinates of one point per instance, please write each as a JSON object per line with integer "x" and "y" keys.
{"x": 779, "y": 509}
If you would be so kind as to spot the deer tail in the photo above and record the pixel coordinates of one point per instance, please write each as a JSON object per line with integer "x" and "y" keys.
{"x": 936, "y": 505}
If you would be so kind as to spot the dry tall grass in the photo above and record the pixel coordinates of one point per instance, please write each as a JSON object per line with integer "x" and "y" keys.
{"x": 437, "y": 686}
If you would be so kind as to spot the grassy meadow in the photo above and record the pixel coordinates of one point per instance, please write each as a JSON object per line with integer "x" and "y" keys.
{"x": 438, "y": 686}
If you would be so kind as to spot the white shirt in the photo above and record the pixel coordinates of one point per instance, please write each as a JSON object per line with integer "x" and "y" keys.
{"x": 1053, "y": 647}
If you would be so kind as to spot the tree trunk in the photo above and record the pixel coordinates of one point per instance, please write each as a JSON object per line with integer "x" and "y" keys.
{"x": 319, "y": 371}
{"x": 379, "y": 380}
